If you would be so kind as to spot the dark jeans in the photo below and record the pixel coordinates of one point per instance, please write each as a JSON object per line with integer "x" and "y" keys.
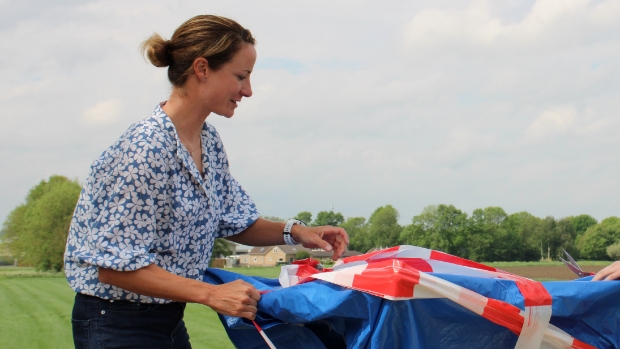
{"x": 104, "y": 324}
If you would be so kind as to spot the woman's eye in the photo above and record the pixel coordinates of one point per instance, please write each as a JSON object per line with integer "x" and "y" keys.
{"x": 241, "y": 77}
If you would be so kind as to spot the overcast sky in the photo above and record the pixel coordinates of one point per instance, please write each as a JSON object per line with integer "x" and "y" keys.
{"x": 510, "y": 103}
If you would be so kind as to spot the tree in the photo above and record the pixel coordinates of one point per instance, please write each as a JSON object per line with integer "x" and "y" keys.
{"x": 413, "y": 234}
{"x": 384, "y": 228}
{"x": 527, "y": 228}
{"x": 328, "y": 218}
{"x": 598, "y": 237}
{"x": 302, "y": 255}
{"x": 221, "y": 248}
{"x": 36, "y": 232}
{"x": 566, "y": 235}
{"x": 444, "y": 228}
{"x": 581, "y": 223}
{"x": 359, "y": 238}
{"x": 488, "y": 240}
{"x": 273, "y": 218}
{"x": 613, "y": 251}
{"x": 304, "y": 216}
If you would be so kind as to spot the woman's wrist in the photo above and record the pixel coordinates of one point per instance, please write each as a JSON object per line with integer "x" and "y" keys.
{"x": 297, "y": 231}
{"x": 203, "y": 294}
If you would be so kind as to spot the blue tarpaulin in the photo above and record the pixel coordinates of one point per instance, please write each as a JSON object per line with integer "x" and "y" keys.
{"x": 320, "y": 314}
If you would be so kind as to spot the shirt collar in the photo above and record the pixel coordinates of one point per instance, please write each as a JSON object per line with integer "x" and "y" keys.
{"x": 166, "y": 123}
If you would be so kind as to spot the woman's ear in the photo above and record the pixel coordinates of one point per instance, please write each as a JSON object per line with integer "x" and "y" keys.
{"x": 201, "y": 68}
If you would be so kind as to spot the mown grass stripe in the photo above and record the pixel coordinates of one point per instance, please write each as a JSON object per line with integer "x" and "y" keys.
{"x": 39, "y": 318}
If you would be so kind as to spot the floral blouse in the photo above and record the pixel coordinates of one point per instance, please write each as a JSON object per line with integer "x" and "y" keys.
{"x": 145, "y": 202}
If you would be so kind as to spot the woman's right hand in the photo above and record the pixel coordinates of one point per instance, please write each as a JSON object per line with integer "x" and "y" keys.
{"x": 237, "y": 298}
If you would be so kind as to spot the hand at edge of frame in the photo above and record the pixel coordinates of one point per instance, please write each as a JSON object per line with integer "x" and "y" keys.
{"x": 610, "y": 272}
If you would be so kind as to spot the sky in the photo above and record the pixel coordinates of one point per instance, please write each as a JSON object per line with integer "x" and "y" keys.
{"x": 356, "y": 104}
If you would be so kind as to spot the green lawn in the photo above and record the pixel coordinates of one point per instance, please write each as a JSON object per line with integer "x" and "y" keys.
{"x": 35, "y": 311}
{"x": 268, "y": 272}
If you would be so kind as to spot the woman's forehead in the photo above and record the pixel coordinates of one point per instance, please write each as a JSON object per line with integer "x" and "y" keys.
{"x": 245, "y": 58}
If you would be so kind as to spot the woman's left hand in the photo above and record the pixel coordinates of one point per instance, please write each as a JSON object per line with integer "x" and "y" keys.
{"x": 326, "y": 237}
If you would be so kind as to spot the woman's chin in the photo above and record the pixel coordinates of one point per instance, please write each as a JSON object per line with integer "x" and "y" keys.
{"x": 228, "y": 114}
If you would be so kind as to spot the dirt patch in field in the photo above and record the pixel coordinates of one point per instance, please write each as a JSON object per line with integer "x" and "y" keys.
{"x": 548, "y": 272}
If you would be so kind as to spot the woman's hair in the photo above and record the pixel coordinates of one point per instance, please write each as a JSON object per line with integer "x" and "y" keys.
{"x": 215, "y": 38}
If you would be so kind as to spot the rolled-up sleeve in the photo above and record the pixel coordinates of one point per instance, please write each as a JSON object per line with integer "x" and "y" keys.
{"x": 118, "y": 223}
{"x": 238, "y": 209}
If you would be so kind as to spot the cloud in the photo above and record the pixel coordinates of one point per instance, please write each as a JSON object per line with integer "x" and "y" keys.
{"x": 549, "y": 25}
{"x": 553, "y": 121}
{"x": 103, "y": 113}
{"x": 566, "y": 120}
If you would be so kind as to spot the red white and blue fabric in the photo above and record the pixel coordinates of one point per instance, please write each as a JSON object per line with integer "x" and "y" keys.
{"x": 413, "y": 274}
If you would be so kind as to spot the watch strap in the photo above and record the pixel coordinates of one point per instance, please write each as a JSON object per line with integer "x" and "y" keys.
{"x": 288, "y": 238}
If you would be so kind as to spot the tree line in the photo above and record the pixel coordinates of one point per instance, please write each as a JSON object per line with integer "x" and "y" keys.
{"x": 488, "y": 234}
{"x": 35, "y": 232}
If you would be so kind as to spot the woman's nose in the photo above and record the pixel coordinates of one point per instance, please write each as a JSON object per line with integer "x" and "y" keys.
{"x": 246, "y": 89}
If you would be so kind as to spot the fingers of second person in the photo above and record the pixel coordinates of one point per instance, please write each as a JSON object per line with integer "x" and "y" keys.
{"x": 613, "y": 276}
{"x": 611, "y": 272}
{"x": 601, "y": 274}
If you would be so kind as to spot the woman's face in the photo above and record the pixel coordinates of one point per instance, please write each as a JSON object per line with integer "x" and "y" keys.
{"x": 225, "y": 87}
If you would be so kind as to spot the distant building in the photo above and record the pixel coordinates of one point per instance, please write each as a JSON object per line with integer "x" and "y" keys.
{"x": 266, "y": 256}
{"x": 238, "y": 249}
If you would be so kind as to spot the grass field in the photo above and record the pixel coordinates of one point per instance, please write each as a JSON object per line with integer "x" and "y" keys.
{"x": 35, "y": 311}
{"x": 36, "y": 307}
{"x": 547, "y": 271}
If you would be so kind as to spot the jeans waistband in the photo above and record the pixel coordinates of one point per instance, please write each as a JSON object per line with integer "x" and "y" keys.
{"x": 120, "y": 301}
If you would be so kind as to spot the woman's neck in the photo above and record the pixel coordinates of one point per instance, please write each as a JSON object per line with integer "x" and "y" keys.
{"x": 187, "y": 116}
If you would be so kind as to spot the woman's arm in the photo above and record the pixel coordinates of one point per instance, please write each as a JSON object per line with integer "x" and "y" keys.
{"x": 266, "y": 233}
{"x": 237, "y": 298}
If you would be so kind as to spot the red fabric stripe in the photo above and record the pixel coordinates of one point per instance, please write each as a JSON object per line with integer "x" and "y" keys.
{"x": 504, "y": 314}
{"x": 416, "y": 263}
{"x": 444, "y": 257}
{"x": 577, "y": 344}
{"x": 534, "y": 293}
{"x": 366, "y": 256}
{"x": 388, "y": 277}
{"x": 305, "y": 271}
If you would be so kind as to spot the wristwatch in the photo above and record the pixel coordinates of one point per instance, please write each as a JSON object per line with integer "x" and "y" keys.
{"x": 288, "y": 239}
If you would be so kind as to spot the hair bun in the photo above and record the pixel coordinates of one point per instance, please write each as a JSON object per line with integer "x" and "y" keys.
{"x": 216, "y": 39}
{"x": 157, "y": 50}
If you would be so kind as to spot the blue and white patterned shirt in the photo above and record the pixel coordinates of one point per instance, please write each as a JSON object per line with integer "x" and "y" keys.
{"x": 145, "y": 202}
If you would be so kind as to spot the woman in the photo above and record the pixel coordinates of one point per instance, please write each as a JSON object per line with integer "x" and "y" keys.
{"x": 155, "y": 201}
